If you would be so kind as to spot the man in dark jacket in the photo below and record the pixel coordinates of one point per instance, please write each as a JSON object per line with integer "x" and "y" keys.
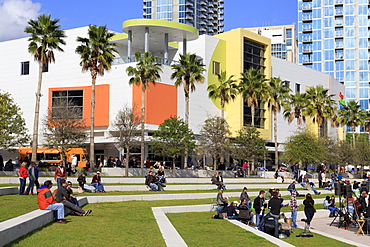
{"x": 274, "y": 205}
{"x": 82, "y": 183}
{"x": 150, "y": 182}
{"x": 244, "y": 196}
{"x": 62, "y": 196}
{"x": 259, "y": 205}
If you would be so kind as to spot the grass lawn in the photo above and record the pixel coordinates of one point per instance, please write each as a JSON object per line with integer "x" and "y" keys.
{"x": 212, "y": 232}
{"x": 110, "y": 224}
{"x": 198, "y": 229}
{"x": 15, "y": 205}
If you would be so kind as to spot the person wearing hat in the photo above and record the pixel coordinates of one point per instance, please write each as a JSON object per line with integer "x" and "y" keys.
{"x": 82, "y": 183}
{"x": 46, "y": 201}
{"x": 96, "y": 182}
{"x": 244, "y": 196}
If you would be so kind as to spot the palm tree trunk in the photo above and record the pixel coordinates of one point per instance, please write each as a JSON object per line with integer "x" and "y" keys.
{"x": 142, "y": 125}
{"x": 276, "y": 141}
{"x": 187, "y": 99}
{"x": 127, "y": 159}
{"x": 92, "y": 121}
{"x": 222, "y": 109}
{"x": 36, "y": 117}
{"x": 353, "y": 135}
{"x": 252, "y": 113}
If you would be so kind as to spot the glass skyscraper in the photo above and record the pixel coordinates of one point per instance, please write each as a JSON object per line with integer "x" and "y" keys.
{"x": 206, "y": 15}
{"x": 333, "y": 37}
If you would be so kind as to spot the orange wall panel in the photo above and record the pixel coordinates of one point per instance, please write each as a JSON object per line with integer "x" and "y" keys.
{"x": 101, "y": 105}
{"x": 160, "y": 102}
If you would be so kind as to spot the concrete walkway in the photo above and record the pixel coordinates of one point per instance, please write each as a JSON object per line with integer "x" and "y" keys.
{"x": 321, "y": 226}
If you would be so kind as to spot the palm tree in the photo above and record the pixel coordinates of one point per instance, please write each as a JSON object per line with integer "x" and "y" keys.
{"x": 225, "y": 90}
{"x": 253, "y": 87}
{"x": 188, "y": 71}
{"x": 46, "y": 36}
{"x": 97, "y": 54}
{"x": 147, "y": 70}
{"x": 320, "y": 106}
{"x": 294, "y": 106}
{"x": 353, "y": 116}
{"x": 277, "y": 92}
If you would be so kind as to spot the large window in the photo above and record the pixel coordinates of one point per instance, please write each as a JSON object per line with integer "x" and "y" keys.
{"x": 25, "y": 68}
{"x": 69, "y": 99}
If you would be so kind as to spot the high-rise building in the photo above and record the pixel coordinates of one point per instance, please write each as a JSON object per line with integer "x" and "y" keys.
{"x": 284, "y": 44}
{"x": 206, "y": 15}
{"x": 333, "y": 37}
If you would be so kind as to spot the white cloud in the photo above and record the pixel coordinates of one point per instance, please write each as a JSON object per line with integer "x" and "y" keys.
{"x": 14, "y": 16}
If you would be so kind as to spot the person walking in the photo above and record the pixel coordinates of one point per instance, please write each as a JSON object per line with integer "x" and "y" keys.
{"x": 309, "y": 208}
{"x": 294, "y": 208}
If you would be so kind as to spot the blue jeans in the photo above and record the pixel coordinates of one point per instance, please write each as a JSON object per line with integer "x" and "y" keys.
{"x": 89, "y": 188}
{"x": 160, "y": 185}
{"x": 58, "y": 182}
{"x": 75, "y": 201}
{"x": 30, "y": 186}
{"x": 233, "y": 217}
{"x": 333, "y": 210}
{"x": 315, "y": 191}
{"x": 98, "y": 186}
{"x": 258, "y": 217}
{"x": 59, "y": 207}
{"x": 294, "y": 217}
{"x": 22, "y": 185}
{"x": 153, "y": 186}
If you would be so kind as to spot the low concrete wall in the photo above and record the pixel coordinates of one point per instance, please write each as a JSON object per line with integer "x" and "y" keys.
{"x": 15, "y": 228}
{"x": 8, "y": 191}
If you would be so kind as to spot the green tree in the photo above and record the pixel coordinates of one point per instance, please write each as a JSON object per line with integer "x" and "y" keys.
{"x": 253, "y": 88}
{"x": 225, "y": 90}
{"x": 353, "y": 116}
{"x": 147, "y": 70}
{"x": 46, "y": 37}
{"x": 188, "y": 71}
{"x": 276, "y": 93}
{"x": 214, "y": 138}
{"x": 305, "y": 148}
{"x": 320, "y": 106}
{"x": 64, "y": 127}
{"x": 13, "y": 131}
{"x": 294, "y": 106}
{"x": 172, "y": 139}
{"x": 248, "y": 145}
{"x": 97, "y": 54}
{"x": 125, "y": 129}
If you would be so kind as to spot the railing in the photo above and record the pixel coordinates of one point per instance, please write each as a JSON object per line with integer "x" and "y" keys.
{"x": 307, "y": 29}
{"x": 132, "y": 59}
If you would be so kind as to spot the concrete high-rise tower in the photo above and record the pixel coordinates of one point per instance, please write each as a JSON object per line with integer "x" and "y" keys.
{"x": 206, "y": 15}
{"x": 333, "y": 37}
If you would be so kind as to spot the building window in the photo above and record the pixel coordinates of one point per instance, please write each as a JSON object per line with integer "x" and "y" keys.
{"x": 25, "y": 68}
{"x": 216, "y": 68}
{"x": 70, "y": 99}
{"x": 297, "y": 88}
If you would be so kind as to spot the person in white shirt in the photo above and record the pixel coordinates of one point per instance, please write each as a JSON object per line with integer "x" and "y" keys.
{"x": 74, "y": 162}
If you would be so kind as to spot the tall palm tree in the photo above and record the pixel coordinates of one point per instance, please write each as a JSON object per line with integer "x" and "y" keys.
{"x": 277, "y": 92}
{"x": 46, "y": 36}
{"x": 353, "y": 116}
{"x": 320, "y": 106}
{"x": 189, "y": 71}
{"x": 253, "y": 88}
{"x": 147, "y": 70}
{"x": 293, "y": 107}
{"x": 225, "y": 90}
{"x": 97, "y": 54}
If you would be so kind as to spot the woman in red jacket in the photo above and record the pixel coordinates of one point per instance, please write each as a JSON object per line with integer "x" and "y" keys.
{"x": 23, "y": 174}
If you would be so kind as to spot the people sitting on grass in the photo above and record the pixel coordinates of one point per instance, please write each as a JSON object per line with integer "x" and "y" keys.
{"x": 70, "y": 193}
{"x": 244, "y": 196}
{"x": 327, "y": 186}
{"x": 245, "y": 213}
{"x": 268, "y": 195}
{"x": 221, "y": 205}
{"x": 231, "y": 211}
{"x": 307, "y": 185}
{"x": 62, "y": 196}
{"x": 279, "y": 175}
{"x": 150, "y": 182}
{"x": 96, "y": 182}
{"x": 46, "y": 201}
{"x": 329, "y": 203}
{"x": 82, "y": 183}
{"x": 161, "y": 174}
{"x": 220, "y": 182}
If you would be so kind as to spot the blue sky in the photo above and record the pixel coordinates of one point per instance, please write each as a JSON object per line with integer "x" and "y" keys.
{"x": 72, "y": 14}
